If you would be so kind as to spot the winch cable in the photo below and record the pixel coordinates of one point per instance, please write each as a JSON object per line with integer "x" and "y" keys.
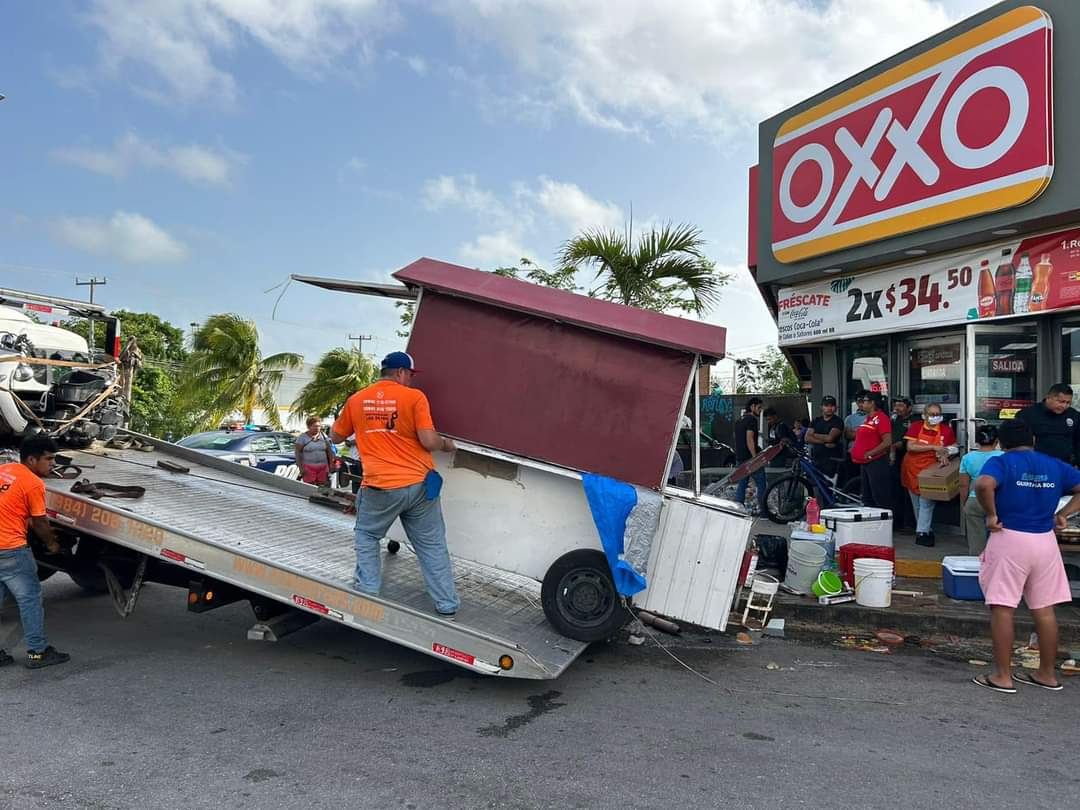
{"x": 733, "y": 691}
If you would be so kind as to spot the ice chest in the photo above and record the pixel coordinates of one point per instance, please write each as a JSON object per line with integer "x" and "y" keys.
{"x": 938, "y": 483}
{"x": 859, "y": 524}
{"x": 960, "y": 578}
{"x": 825, "y": 540}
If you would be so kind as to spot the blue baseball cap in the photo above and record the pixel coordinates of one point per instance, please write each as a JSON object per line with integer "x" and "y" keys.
{"x": 399, "y": 360}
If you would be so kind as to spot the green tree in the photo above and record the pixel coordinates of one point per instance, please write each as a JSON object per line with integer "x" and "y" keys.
{"x": 769, "y": 374}
{"x": 664, "y": 270}
{"x": 562, "y": 278}
{"x": 227, "y": 372}
{"x": 338, "y": 374}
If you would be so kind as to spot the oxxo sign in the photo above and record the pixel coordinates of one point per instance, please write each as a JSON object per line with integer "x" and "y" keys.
{"x": 960, "y": 130}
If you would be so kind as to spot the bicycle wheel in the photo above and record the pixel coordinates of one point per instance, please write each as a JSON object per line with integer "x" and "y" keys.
{"x": 785, "y": 499}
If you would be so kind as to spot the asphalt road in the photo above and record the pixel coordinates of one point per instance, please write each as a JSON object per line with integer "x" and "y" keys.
{"x": 168, "y": 709}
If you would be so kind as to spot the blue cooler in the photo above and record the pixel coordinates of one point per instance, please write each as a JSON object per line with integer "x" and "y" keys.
{"x": 960, "y": 578}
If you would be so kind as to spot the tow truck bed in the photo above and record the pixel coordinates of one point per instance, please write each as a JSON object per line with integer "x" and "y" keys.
{"x": 258, "y": 532}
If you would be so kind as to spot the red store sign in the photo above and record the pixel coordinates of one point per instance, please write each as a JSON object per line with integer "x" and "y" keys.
{"x": 958, "y": 131}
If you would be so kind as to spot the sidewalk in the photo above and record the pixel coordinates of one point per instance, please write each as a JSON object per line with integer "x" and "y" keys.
{"x": 930, "y": 615}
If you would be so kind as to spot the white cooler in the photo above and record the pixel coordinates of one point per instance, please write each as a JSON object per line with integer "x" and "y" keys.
{"x": 859, "y": 524}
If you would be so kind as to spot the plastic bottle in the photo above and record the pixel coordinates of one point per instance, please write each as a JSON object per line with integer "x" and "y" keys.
{"x": 1040, "y": 287}
{"x": 1005, "y": 283}
{"x": 813, "y": 512}
{"x": 1022, "y": 290}
{"x": 987, "y": 297}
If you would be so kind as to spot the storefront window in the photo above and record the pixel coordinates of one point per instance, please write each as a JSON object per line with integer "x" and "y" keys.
{"x": 1005, "y": 372}
{"x": 1070, "y": 353}
{"x": 937, "y": 371}
{"x": 867, "y": 369}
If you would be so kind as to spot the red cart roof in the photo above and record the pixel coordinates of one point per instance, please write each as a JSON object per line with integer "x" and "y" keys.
{"x": 558, "y": 305}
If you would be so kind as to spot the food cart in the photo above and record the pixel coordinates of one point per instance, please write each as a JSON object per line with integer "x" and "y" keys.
{"x": 566, "y": 411}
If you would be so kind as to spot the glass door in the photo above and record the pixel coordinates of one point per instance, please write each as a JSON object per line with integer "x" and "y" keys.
{"x": 1002, "y": 371}
{"x": 935, "y": 374}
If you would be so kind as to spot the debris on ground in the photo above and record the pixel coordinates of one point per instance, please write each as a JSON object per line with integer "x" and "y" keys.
{"x": 864, "y": 643}
{"x": 772, "y": 665}
{"x": 890, "y": 637}
{"x": 775, "y": 628}
{"x": 975, "y": 662}
{"x": 744, "y": 638}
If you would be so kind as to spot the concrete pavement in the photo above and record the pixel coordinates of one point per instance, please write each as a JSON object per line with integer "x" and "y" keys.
{"x": 170, "y": 709}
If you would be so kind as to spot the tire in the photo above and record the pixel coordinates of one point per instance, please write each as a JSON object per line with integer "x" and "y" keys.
{"x": 785, "y": 499}
{"x": 579, "y": 597}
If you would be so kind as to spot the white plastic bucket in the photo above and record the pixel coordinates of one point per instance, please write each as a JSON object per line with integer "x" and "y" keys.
{"x": 873, "y": 582}
{"x": 805, "y": 560}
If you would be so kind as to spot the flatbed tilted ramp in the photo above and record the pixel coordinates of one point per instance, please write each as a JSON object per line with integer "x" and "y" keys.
{"x": 259, "y": 532}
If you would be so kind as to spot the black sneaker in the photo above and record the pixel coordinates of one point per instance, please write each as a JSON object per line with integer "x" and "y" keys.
{"x": 924, "y": 539}
{"x": 50, "y": 656}
{"x": 448, "y": 616}
{"x": 5, "y": 659}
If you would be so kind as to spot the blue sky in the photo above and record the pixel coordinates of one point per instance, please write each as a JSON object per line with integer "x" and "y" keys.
{"x": 197, "y": 152}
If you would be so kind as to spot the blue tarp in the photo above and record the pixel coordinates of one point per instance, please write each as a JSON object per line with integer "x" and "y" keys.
{"x": 611, "y": 502}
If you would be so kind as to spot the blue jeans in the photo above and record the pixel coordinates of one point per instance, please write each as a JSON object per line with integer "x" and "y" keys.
{"x": 924, "y": 513}
{"x": 18, "y": 576}
{"x": 759, "y": 482}
{"x": 376, "y": 511}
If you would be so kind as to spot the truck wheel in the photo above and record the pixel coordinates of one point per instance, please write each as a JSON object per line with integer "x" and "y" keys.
{"x": 44, "y": 573}
{"x": 579, "y": 597}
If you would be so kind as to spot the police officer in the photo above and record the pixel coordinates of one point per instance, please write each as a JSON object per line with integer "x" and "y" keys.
{"x": 1055, "y": 424}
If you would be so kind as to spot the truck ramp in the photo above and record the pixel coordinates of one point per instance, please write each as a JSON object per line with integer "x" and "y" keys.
{"x": 259, "y": 532}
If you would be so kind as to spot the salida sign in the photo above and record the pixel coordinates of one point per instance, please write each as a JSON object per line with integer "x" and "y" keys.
{"x": 958, "y": 131}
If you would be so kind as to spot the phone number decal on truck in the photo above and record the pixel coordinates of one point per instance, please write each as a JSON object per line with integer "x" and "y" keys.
{"x": 96, "y": 519}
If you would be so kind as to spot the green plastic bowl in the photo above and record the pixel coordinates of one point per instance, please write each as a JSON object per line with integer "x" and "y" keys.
{"x": 827, "y": 584}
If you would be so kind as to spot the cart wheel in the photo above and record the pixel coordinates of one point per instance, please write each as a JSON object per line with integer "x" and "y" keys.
{"x": 579, "y": 597}
{"x": 393, "y": 547}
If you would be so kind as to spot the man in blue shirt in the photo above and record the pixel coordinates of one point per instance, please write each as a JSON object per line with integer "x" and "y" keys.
{"x": 1019, "y": 492}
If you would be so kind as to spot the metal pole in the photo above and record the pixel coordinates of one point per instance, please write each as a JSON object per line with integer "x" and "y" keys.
{"x": 696, "y": 451}
{"x": 359, "y": 339}
{"x": 92, "y": 284}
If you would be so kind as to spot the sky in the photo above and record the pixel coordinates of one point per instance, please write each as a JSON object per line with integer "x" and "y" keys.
{"x": 197, "y": 152}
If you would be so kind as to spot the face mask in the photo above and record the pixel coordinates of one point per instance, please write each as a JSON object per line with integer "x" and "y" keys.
{"x": 935, "y": 420}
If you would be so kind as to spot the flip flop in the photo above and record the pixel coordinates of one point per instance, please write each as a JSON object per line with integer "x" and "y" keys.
{"x": 985, "y": 683}
{"x": 1029, "y": 680}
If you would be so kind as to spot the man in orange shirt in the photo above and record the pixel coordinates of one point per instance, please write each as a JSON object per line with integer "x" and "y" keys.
{"x": 22, "y": 505}
{"x": 395, "y": 437}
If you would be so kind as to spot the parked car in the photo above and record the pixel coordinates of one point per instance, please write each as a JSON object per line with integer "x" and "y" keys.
{"x": 267, "y": 450}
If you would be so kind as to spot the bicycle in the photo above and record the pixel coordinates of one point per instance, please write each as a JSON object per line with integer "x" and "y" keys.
{"x": 786, "y": 497}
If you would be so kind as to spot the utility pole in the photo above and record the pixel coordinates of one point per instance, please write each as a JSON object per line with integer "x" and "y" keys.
{"x": 92, "y": 284}
{"x": 359, "y": 339}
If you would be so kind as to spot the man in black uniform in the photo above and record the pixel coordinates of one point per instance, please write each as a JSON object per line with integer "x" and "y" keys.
{"x": 1055, "y": 423}
{"x": 826, "y": 438}
{"x": 779, "y": 430}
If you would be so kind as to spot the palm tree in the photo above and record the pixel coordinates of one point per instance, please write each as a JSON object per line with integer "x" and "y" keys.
{"x": 665, "y": 270}
{"x": 338, "y": 374}
{"x": 226, "y": 372}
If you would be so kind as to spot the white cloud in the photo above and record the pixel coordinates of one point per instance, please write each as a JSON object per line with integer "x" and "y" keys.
{"x": 500, "y": 249}
{"x": 418, "y": 64}
{"x": 183, "y": 43}
{"x": 195, "y": 164}
{"x": 568, "y": 203}
{"x": 460, "y": 192}
{"x": 709, "y": 66}
{"x": 129, "y": 237}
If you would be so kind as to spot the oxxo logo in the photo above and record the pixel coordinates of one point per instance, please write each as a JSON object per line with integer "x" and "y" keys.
{"x": 960, "y": 130}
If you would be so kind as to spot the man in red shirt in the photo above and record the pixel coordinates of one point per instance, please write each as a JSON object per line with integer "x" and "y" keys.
{"x": 22, "y": 506}
{"x": 395, "y": 437}
{"x": 870, "y": 451}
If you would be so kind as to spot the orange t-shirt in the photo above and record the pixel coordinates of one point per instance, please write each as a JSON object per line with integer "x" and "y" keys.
{"x": 22, "y": 496}
{"x": 385, "y": 417}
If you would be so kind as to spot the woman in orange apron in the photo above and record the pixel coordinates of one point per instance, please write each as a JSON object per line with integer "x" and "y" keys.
{"x": 928, "y": 442}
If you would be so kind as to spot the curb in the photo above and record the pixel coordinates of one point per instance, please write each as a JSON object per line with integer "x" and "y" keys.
{"x": 809, "y": 619}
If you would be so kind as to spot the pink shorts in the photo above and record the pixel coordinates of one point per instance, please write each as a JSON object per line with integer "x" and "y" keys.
{"x": 1017, "y": 564}
{"x": 316, "y": 473}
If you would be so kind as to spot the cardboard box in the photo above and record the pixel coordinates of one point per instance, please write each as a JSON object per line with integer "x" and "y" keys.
{"x": 940, "y": 483}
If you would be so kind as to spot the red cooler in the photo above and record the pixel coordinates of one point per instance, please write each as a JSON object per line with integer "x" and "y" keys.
{"x": 847, "y": 554}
